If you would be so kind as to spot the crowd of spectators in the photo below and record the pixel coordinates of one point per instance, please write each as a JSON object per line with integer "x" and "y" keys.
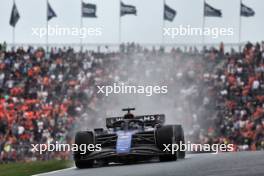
{"x": 239, "y": 93}
{"x": 45, "y": 97}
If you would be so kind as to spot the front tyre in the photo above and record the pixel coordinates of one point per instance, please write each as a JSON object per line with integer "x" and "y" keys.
{"x": 165, "y": 135}
{"x": 83, "y": 164}
{"x": 81, "y": 138}
{"x": 179, "y": 135}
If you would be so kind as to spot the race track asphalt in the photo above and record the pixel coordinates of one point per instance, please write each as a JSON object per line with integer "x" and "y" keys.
{"x": 222, "y": 164}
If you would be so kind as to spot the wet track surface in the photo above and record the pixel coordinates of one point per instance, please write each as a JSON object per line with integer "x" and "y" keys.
{"x": 223, "y": 164}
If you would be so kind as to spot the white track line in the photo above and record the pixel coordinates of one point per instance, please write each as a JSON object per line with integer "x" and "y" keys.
{"x": 52, "y": 172}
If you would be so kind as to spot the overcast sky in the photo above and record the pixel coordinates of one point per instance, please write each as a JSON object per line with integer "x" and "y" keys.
{"x": 146, "y": 27}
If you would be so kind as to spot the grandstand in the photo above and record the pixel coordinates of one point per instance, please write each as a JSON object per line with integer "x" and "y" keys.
{"x": 45, "y": 97}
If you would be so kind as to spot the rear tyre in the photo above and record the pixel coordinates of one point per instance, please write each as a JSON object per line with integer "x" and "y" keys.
{"x": 83, "y": 137}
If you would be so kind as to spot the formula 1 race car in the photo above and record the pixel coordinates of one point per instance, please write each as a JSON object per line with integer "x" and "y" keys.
{"x": 129, "y": 139}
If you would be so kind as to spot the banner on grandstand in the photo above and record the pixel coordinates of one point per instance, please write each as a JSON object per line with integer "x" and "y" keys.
{"x": 88, "y": 10}
{"x": 14, "y": 16}
{"x": 127, "y": 9}
{"x": 50, "y": 12}
{"x": 246, "y": 11}
{"x": 210, "y": 11}
{"x": 169, "y": 13}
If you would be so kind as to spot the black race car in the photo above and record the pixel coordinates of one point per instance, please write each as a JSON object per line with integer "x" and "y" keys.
{"x": 130, "y": 139}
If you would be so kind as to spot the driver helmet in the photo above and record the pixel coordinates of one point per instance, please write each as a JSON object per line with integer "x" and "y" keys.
{"x": 129, "y": 116}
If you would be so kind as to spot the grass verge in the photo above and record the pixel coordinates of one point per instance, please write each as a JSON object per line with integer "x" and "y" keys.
{"x": 27, "y": 169}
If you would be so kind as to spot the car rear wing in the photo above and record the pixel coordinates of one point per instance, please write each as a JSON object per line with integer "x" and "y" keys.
{"x": 148, "y": 120}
